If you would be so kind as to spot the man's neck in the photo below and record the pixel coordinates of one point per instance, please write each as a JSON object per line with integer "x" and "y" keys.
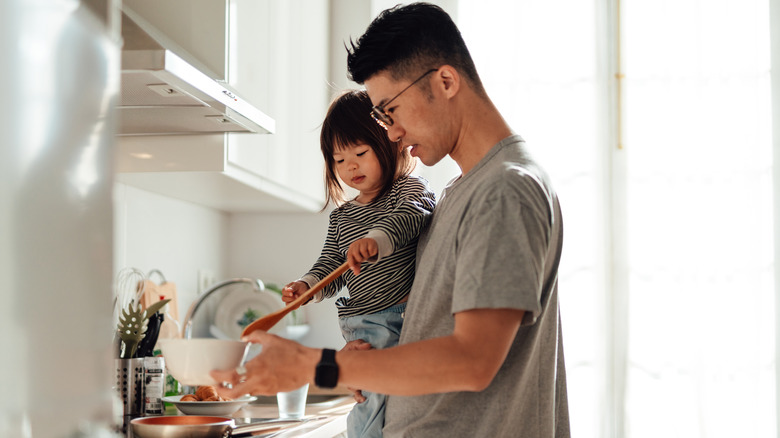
{"x": 481, "y": 128}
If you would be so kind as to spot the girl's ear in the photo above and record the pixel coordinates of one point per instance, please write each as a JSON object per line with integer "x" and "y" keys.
{"x": 448, "y": 79}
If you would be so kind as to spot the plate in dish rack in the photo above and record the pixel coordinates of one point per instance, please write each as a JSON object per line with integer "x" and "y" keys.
{"x": 240, "y": 307}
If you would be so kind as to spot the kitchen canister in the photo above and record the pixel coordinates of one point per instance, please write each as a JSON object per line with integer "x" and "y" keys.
{"x": 130, "y": 387}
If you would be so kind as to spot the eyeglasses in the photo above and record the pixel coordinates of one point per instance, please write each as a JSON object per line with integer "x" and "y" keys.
{"x": 378, "y": 111}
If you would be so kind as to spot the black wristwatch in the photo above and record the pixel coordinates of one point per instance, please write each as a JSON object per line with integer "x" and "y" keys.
{"x": 326, "y": 374}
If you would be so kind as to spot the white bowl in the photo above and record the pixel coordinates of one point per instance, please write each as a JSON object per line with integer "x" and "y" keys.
{"x": 191, "y": 360}
{"x": 209, "y": 407}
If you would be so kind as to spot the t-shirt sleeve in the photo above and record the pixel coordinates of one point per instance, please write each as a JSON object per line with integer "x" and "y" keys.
{"x": 501, "y": 246}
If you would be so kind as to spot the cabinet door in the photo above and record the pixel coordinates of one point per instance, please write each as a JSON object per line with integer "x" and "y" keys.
{"x": 278, "y": 60}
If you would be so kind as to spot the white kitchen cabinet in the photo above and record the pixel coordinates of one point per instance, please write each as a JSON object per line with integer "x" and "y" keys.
{"x": 290, "y": 49}
{"x": 275, "y": 54}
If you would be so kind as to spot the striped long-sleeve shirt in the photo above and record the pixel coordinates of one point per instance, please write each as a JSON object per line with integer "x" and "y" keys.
{"x": 395, "y": 222}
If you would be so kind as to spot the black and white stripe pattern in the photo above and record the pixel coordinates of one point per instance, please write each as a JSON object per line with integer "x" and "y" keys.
{"x": 401, "y": 214}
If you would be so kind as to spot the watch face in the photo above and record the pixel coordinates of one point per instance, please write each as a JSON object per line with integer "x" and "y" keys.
{"x": 327, "y": 372}
{"x": 327, "y": 375}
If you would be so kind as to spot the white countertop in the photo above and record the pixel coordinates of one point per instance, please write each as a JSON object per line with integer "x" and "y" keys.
{"x": 333, "y": 424}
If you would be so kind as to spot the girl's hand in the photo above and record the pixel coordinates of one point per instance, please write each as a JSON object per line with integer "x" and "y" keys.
{"x": 293, "y": 290}
{"x": 357, "y": 344}
{"x": 360, "y": 251}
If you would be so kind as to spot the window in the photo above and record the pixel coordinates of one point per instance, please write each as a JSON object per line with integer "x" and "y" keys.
{"x": 667, "y": 276}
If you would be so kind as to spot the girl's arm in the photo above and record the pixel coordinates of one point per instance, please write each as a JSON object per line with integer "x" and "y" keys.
{"x": 330, "y": 259}
{"x": 415, "y": 203}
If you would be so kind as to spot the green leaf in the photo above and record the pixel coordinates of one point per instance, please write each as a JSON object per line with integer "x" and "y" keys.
{"x": 154, "y": 308}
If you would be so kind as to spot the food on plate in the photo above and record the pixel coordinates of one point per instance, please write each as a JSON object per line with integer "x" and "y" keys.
{"x": 204, "y": 393}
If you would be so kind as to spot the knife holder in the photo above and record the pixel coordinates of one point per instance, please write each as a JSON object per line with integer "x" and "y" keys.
{"x": 130, "y": 386}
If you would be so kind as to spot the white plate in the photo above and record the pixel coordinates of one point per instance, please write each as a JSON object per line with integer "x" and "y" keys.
{"x": 240, "y": 307}
{"x": 209, "y": 407}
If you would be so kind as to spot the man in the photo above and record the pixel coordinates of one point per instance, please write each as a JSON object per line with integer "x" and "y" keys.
{"x": 481, "y": 348}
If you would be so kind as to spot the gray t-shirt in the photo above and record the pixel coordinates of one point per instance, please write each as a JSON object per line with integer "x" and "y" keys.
{"x": 494, "y": 242}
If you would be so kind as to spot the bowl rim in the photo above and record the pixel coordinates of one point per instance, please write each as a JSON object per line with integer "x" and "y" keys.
{"x": 184, "y": 420}
{"x": 176, "y": 399}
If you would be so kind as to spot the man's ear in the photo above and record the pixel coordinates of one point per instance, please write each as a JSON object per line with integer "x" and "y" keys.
{"x": 448, "y": 79}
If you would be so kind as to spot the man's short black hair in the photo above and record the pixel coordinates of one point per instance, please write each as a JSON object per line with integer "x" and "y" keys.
{"x": 406, "y": 40}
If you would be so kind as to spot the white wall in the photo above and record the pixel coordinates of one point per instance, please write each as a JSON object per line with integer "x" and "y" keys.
{"x": 179, "y": 238}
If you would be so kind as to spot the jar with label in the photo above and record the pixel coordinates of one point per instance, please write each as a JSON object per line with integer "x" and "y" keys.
{"x": 154, "y": 385}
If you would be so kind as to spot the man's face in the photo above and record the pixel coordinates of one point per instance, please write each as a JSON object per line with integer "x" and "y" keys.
{"x": 416, "y": 122}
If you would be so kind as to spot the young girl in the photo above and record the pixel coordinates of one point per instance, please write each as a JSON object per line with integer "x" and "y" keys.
{"x": 380, "y": 225}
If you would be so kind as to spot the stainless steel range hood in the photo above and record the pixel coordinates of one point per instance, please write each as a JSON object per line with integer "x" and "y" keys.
{"x": 167, "y": 91}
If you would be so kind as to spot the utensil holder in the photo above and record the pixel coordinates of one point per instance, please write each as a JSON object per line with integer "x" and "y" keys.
{"x": 130, "y": 386}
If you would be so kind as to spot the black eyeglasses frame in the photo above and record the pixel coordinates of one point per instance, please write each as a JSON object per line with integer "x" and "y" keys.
{"x": 378, "y": 111}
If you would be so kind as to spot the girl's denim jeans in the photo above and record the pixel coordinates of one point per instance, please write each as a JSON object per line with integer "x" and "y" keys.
{"x": 381, "y": 330}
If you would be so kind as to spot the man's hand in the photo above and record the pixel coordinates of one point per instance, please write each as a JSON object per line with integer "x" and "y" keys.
{"x": 282, "y": 365}
{"x": 360, "y": 251}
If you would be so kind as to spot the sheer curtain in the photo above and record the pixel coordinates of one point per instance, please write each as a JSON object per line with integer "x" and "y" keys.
{"x": 667, "y": 276}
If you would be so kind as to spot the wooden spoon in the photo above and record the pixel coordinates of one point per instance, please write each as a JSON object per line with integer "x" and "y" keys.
{"x": 268, "y": 321}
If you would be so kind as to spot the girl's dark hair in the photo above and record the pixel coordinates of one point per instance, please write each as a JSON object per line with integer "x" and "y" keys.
{"x": 348, "y": 123}
{"x": 407, "y": 40}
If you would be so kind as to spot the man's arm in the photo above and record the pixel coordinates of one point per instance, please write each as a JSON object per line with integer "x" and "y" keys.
{"x": 466, "y": 360}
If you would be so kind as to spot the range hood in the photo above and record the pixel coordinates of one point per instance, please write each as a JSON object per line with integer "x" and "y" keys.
{"x": 166, "y": 91}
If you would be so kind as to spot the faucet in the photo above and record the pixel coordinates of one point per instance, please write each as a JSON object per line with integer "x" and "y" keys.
{"x": 186, "y": 330}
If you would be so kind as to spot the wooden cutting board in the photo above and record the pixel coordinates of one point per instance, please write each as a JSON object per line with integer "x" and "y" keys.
{"x": 154, "y": 293}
